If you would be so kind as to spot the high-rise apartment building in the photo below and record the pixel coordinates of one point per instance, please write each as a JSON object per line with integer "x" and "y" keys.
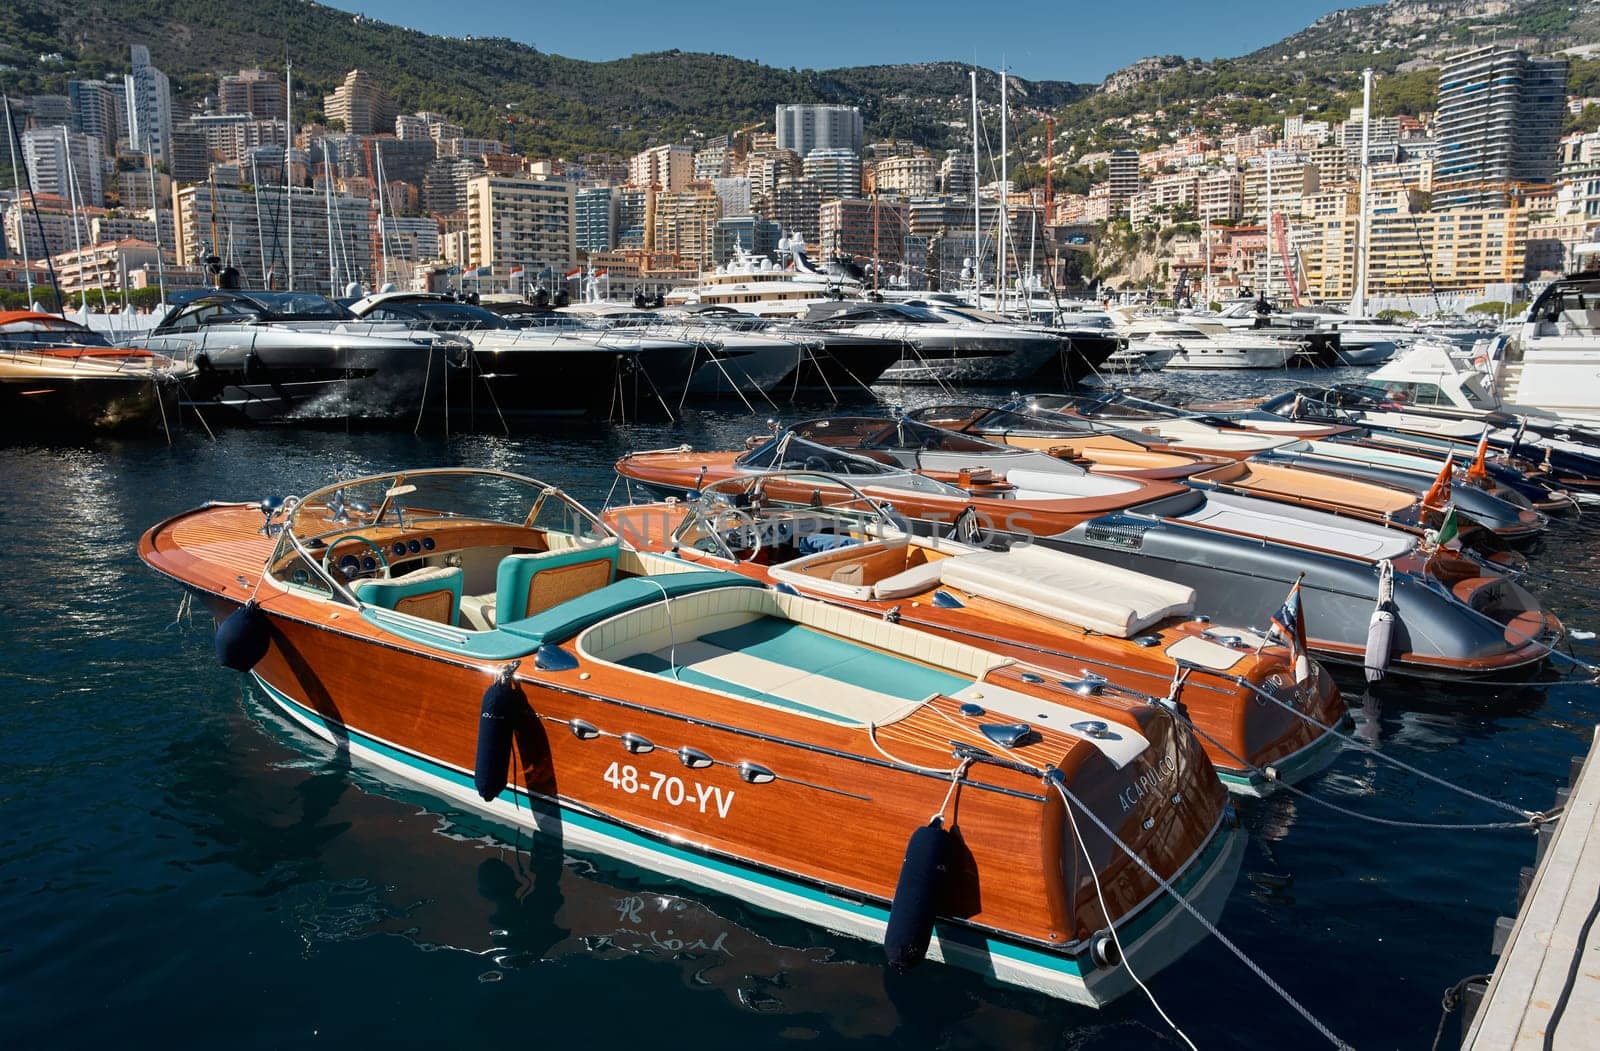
{"x": 907, "y": 175}
{"x": 734, "y": 192}
{"x": 1221, "y": 195}
{"x": 1122, "y": 170}
{"x": 955, "y": 175}
{"x": 234, "y": 135}
{"x": 253, "y": 91}
{"x": 669, "y": 167}
{"x": 836, "y": 171}
{"x": 685, "y": 223}
{"x": 515, "y": 220}
{"x": 596, "y": 217}
{"x": 65, "y": 163}
{"x": 444, "y": 185}
{"x": 37, "y": 226}
{"x": 100, "y": 109}
{"x": 633, "y": 204}
{"x": 865, "y": 230}
{"x": 258, "y": 227}
{"x": 1499, "y": 121}
{"x": 804, "y": 128}
{"x": 794, "y": 205}
{"x": 190, "y": 159}
{"x": 360, "y": 104}
{"x": 751, "y": 234}
{"x": 149, "y": 102}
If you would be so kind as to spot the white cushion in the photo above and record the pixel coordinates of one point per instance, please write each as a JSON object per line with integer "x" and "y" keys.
{"x": 1077, "y": 590}
{"x": 1066, "y": 484}
{"x": 911, "y": 581}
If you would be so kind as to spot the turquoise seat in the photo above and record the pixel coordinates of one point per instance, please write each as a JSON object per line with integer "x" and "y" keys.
{"x": 432, "y": 594}
{"x": 575, "y": 615}
{"x": 551, "y": 577}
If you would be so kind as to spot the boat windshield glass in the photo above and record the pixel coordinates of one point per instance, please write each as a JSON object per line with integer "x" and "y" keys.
{"x": 1572, "y": 306}
{"x": 37, "y": 332}
{"x": 793, "y": 504}
{"x": 789, "y": 452}
{"x": 871, "y": 432}
{"x": 386, "y": 524}
{"x": 1023, "y": 423}
{"x": 299, "y": 306}
{"x": 440, "y": 314}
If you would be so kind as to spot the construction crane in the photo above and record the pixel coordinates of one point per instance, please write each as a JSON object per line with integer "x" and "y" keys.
{"x": 739, "y": 141}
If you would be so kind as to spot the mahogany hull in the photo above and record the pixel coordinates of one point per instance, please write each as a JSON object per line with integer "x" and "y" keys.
{"x": 823, "y": 841}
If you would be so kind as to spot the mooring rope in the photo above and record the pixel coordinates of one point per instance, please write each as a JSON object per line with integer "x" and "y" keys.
{"x": 1058, "y": 781}
{"x": 1528, "y": 816}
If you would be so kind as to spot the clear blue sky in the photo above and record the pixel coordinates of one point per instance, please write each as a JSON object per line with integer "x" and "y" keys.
{"x": 1039, "y": 39}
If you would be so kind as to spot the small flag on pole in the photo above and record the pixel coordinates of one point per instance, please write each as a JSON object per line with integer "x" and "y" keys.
{"x": 1438, "y": 495}
{"x": 1448, "y": 529}
{"x": 1479, "y": 471}
{"x": 481, "y": 271}
{"x": 1290, "y": 627}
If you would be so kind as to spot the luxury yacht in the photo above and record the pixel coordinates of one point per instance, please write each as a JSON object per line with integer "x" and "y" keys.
{"x": 515, "y": 371}
{"x": 276, "y": 355}
{"x": 938, "y": 349}
{"x": 57, "y": 375}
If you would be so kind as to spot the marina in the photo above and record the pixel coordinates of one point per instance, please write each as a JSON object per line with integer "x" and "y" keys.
{"x": 1306, "y": 869}
{"x": 973, "y": 562}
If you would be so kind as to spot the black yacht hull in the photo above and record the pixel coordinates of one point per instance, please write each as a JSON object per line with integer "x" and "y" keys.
{"x": 56, "y": 405}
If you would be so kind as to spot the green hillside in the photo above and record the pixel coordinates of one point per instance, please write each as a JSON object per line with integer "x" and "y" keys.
{"x": 559, "y": 105}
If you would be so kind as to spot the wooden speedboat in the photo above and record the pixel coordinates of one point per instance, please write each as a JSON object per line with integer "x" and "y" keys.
{"x": 1104, "y": 628}
{"x": 1030, "y": 426}
{"x": 783, "y": 751}
{"x": 57, "y": 375}
{"x": 1336, "y": 475}
{"x": 1240, "y": 554}
{"x": 1100, "y": 448}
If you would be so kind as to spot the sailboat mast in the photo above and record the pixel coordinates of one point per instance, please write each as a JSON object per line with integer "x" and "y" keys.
{"x": 72, "y": 205}
{"x": 1005, "y": 197}
{"x": 1268, "y": 290}
{"x": 16, "y": 183}
{"x": 1358, "y": 297}
{"x": 977, "y": 218}
{"x": 288, "y": 154}
{"x": 155, "y": 214}
{"x": 327, "y": 208}
{"x": 383, "y": 215}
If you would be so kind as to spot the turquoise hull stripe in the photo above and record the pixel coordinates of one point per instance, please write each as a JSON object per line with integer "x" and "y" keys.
{"x": 1076, "y": 966}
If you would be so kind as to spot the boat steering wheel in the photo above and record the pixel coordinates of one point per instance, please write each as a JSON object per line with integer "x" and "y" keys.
{"x": 744, "y": 528}
{"x": 383, "y": 559}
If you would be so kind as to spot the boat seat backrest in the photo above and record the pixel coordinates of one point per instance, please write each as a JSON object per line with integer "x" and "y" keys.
{"x": 532, "y": 583}
{"x": 432, "y": 594}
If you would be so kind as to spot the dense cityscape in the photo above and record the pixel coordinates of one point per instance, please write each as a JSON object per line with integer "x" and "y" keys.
{"x": 1479, "y": 198}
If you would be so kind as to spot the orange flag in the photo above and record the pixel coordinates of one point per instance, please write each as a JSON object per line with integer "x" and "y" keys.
{"x": 1478, "y": 473}
{"x": 1438, "y": 495}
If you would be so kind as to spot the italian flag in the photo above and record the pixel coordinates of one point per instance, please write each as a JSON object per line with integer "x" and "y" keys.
{"x": 1448, "y": 529}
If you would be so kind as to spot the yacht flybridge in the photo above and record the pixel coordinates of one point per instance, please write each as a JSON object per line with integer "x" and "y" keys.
{"x": 757, "y": 285}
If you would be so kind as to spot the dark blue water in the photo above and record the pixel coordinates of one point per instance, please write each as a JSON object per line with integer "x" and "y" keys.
{"x": 178, "y": 866}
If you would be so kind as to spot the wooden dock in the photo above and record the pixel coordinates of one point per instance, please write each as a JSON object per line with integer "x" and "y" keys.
{"x": 1548, "y": 977}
